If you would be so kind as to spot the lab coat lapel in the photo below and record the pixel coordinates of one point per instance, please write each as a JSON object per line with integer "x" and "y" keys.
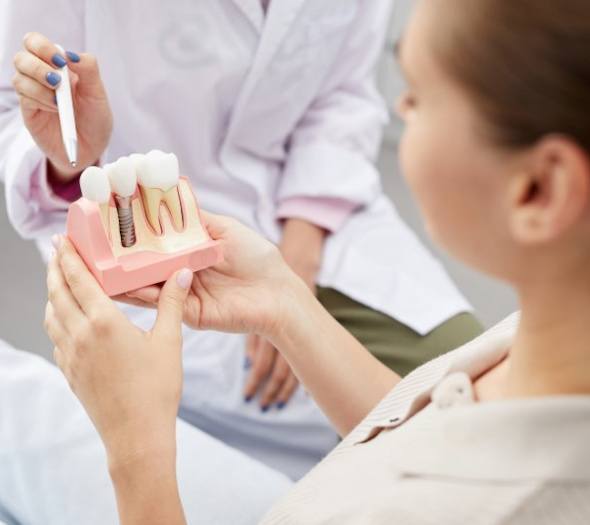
{"x": 252, "y": 9}
{"x": 279, "y": 20}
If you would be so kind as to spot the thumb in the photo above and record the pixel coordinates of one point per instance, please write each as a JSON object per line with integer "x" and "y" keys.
{"x": 86, "y": 68}
{"x": 171, "y": 302}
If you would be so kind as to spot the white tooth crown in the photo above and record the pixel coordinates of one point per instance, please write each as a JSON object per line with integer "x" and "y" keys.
{"x": 95, "y": 185}
{"x": 138, "y": 160}
{"x": 159, "y": 175}
{"x": 123, "y": 176}
{"x": 158, "y": 170}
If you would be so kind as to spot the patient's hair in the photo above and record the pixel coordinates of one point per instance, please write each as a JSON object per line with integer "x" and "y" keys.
{"x": 525, "y": 63}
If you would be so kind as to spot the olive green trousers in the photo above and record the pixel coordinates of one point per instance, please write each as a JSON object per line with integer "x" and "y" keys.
{"x": 393, "y": 343}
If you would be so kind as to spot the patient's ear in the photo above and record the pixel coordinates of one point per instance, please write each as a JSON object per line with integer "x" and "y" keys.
{"x": 551, "y": 194}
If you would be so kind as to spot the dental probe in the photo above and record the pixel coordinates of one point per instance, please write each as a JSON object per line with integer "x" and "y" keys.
{"x": 67, "y": 119}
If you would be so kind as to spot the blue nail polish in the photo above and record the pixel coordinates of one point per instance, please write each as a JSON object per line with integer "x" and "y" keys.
{"x": 248, "y": 399}
{"x": 53, "y": 78}
{"x": 265, "y": 409}
{"x": 74, "y": 57}
{"x": 281, "y": 405}
{"x": 58, "y": 60}
{"x": 247, "y": 363}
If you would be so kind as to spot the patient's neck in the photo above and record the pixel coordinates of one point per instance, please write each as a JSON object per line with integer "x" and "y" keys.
{"x": 551, "y": 351}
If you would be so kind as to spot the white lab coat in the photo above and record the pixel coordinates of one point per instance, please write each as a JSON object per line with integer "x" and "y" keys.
{"x": 259, "y": 110}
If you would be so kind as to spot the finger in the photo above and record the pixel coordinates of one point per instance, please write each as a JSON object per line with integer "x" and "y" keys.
{"x": 85, "y": 290}
{"x": 27, "y": 87}
{"x": 59, "y": 358}
{"x": 63, "y": 304}
{"x": 54, "y": 328}
{"x": 86, "y": 67}
{"x": 171, "y": 303}
{"x": 28, "y": 104}
{"x": 251, "y": 345}
{"x": 261, "y": 368}
{"x": 40, "y": 46}
{"x": 287, "y": 391}
{"x": 150, "y": 295}
{"x": 124, "y": 298}
{"x": 217, "y": 225}
{"x": 37, "y": 70}
{"x": 280, "y": 373}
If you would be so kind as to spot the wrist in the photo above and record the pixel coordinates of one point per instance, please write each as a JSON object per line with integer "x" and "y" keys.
{"x": 296, "y": 302}
{"x": 64, "y": 173}
{"x": 136, "y": 482}
{"x": 305, "y": 262}
{"x": 57, "y": 175}
{"x": 156, "y": 462}
{"x": 135, "y": 443}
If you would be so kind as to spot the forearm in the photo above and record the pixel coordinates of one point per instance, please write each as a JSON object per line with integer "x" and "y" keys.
{"x": 147, "y": 490}
{"x": 343, "y": 377}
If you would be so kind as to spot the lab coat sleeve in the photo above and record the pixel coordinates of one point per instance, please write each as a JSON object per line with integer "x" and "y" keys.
{"x": 329, "y": 214}
{"x": 333, "y": 150}
{"x": 33, "y": 209}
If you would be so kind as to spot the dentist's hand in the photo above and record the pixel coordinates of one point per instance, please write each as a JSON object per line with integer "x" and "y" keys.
{"x": 128, "y": 380}
{"x": 38, "y": 74}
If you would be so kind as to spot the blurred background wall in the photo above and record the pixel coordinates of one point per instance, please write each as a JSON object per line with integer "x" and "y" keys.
{"x": 22, "y": 275}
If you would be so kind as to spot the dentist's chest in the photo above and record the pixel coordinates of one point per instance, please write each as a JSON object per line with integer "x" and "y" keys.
{"x": 197, "y": 65}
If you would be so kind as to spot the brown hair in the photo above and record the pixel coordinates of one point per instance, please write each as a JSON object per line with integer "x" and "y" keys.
{"x": 525, "y": 63}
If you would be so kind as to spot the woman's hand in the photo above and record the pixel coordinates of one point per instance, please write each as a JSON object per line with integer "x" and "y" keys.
{"x": 302, "y": 247}
{"x": 249, "y": 292}
{"x": 37, "y": 77}
{"x": 128, "y": 380}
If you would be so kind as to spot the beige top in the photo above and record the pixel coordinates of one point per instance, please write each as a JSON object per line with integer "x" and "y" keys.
{"x": 428, "y": 454}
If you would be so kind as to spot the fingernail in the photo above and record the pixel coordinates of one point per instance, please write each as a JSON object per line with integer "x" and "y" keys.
{"x": 265, "y": 409}
{"x": 247, "y": 363}
{"x": 184, "y": 278}
{"x": 53, "y": 78}
{"x": 56, "y": 241}
{"x": 74, "y": 57}
{"x": 247, "y": 399}
{"x": 58, "y": 60}
{"x": 281, "y": 405}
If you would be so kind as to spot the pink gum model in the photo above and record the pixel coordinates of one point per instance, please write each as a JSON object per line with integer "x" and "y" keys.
{"x": 118, "y": 275}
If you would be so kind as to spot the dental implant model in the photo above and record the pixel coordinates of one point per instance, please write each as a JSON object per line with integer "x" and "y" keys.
{"x": 138, "y": 222}
{"x": 123, "y": 180}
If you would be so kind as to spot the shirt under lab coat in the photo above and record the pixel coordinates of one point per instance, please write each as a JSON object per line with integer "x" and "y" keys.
{"x": 260, "y": 110}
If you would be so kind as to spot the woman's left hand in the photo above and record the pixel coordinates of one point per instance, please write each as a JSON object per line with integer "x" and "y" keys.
{"x": 128, "y": 380}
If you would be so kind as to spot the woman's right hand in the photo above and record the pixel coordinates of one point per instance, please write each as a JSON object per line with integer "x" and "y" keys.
{"x": 37, "y": 77}
{"x": 251, "y": 291}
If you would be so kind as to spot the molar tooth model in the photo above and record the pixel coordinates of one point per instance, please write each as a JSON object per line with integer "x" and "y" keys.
{"x": 133, "y": 235}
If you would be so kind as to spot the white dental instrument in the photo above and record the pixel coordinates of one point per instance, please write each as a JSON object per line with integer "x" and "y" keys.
{"x": 67, "y": 119}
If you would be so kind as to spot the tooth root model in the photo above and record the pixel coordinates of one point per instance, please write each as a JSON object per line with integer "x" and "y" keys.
{"x": 158, "y": 175}
{"x": 96, "y": 187}
{"x": 171, "y": 199}
{"x": 153, "y": 242}
{"x": 123, "y": 178}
